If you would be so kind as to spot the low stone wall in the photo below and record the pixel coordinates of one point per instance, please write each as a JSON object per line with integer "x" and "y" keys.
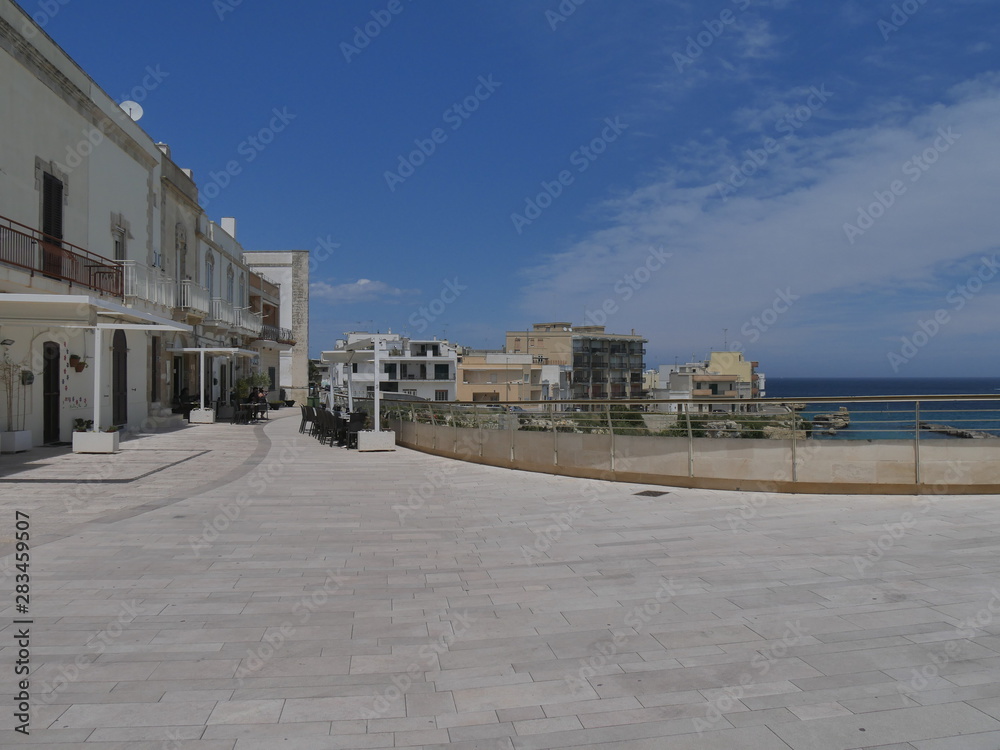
{"x": 879, "y": 467}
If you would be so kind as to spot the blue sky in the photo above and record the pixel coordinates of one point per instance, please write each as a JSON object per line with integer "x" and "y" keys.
{"x": 814, "y": 183}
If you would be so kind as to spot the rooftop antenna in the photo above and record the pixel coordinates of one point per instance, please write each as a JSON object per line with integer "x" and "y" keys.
{"x": 725, "y": 339}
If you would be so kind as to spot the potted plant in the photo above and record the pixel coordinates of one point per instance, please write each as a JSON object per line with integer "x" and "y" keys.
{"x": 13, "y": 380}
{"x": 91, "y": 441}
{"x": 77, "y": 362}
{"x": 82, "y": 425}
{"x": 242, "y": 389}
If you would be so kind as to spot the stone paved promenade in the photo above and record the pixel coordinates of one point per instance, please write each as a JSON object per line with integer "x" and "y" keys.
{"x": 243, "y": 588}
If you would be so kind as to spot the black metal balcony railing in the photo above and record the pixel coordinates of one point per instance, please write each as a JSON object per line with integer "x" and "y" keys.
{"x": 275, "y": 333}
{"x": 38, "y": 253}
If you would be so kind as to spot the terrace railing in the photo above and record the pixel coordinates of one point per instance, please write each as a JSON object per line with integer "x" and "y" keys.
{"x": 886, "y": 445}
{"x": 194, "y": 298}
{"x": 148, "y": 284}
{"x": 38, "y": 253}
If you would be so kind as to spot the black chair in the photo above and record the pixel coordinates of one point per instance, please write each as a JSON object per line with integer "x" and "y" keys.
{"x": 307, "y": 419}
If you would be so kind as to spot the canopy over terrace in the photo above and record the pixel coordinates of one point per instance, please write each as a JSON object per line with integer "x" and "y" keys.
{"x": 364, "y": 350}
{"x": 83, "y": 312}
{"x": 201, "y": 351}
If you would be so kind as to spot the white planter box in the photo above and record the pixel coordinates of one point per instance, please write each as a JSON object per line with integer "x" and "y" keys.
{"x": 95, "y": 442}
{"x": 369, "y": 440}
{"x": 15, "y": 442}
{"x": 202, "y": 416}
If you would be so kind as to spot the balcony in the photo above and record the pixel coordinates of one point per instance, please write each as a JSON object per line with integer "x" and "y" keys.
{"x": 274, "y": 333}
{"x": 248, "y": 322}
{"x": 28, "y": 249}
{"x": 147, "y": 284}
{"x": 263, "y": 287}
{"x": 194, "y": 298}
{"x": 221, "y": 313}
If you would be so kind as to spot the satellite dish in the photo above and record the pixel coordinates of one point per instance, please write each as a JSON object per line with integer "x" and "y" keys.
{"x": 132, "y": 109}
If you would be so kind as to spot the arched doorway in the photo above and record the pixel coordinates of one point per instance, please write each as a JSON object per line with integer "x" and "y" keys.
{"x": 119, "y": 379}
{"x": 51, "y": 392}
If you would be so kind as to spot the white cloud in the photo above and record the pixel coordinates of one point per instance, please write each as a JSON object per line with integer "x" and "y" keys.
{"x": 785, "y": 230}
{"x": 362, "y": 290}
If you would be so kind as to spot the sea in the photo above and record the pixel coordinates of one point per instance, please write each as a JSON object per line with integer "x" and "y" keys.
{"x": 888, "y": 421}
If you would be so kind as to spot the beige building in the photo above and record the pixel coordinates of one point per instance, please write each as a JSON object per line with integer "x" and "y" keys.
{"x": 486, "y": 376}
{"x": 604, "y": 365}
{"x": 724, "y": 376}
{"x": 286, "y": 315}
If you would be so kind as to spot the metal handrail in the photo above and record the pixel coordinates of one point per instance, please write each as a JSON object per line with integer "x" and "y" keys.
{"x": 25, "y": 247}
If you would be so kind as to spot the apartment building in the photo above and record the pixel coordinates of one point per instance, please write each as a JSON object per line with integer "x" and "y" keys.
{"x": 118, "y": 295}
{"x": 495, "y": 375}
{"x": 724, "y": 376}
{"x": 604, "y": 365}
{"x": 421, "y": 368}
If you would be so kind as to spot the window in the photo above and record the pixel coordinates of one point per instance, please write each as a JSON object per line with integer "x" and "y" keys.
{"x": 180, "y": 248}
{"x": 210, "y": 275}
{"x": 52, "y": 206}
{"x": 119, "y": 235}
{"x": 410, "y": 391}
{"x": 390, "y": 370}
{"x": 440, "y": 395}
{"x": 354, "y": 367}
{"x": 370, "y": 391}
{"x": 242, "y": 300}
{"x": 441, "y": 372}
{"x": 272, "y": 375}
{"x": 230, "y": 279}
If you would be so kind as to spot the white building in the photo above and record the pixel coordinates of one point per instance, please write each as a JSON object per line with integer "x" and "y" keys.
{"x": 288, "y": 323}
{"x": 115, "y": 288}
{"x": 422, "y": 368}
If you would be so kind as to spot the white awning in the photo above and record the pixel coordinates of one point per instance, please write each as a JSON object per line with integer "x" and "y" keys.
{"x": 79, "y": 311}
{"x": 232, "y": 351}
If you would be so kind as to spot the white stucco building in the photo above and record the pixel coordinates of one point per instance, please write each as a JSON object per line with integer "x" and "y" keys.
{"x": 425, "y": 369}
{"x": 115, "y": 287}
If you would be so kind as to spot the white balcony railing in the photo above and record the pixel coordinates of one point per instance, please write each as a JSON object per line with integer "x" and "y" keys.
{"x": 194, "y": 298}
{"x": 221, "y": 313}
{"x": 249, "y": 322}
{"x": 140, "y": 282}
